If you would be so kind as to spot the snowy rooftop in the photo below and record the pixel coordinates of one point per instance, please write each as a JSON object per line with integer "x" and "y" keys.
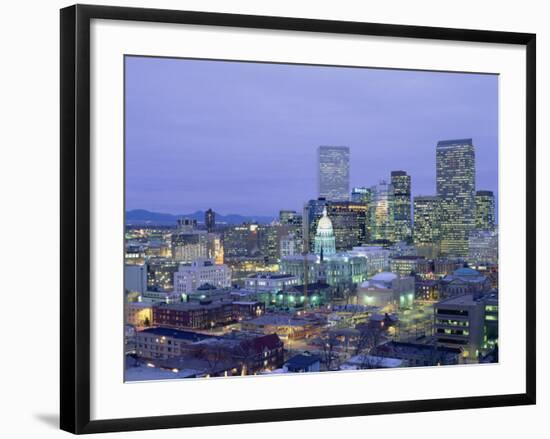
{"x": 372, "y": 361}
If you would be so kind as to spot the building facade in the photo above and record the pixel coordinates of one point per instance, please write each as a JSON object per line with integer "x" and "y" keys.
{"x": 382, "y": 212}
{"x": 135, "y": 278}
{"x": 201, "y": 271}
{"x": 483, "y": 247}
{"x": 455, "y": 181}
{"x": 459, "y": 323}
{"x": 401, "y": 183}
{"x": 210, "y": 220}
{"x": 387, "y": 289}
{"x": 334, "y": 172}
{"x": 485, "y": 210}
{"x": 349, "y": 222}
{"x": 189, "y": 244}
{"x": 427, "y": 226}
{"x": 325, "y": 241}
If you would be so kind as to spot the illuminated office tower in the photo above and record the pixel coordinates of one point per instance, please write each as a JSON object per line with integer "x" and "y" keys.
{"x": 313, "y": 211}
{"x": 485, "y": 210}
{"x": 188, "y": 245}
{"x": 349, "y": 221}
{"x": 210, "y": 220}
{"x": 361, "y": 195}
{"x": 382, "y": 216}
{"x": 334, "y": 173}
{"x": 290, "y": 217}
{"x": 483, "y": 247}
{"x": 401, "y": 183}
{"x": 427, "y": 223}
{"x": 455, "y": 177}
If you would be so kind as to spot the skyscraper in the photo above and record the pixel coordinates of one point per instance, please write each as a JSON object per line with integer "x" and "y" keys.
{"x": 382, "y": 219}
{"x": 210, "y": 220}
{"x": 361, "y": 195}
{"x": 455, "y": 175}
{"x": 349, "y": 221}
{"x": 289, "y": 217}
{"x": 426, "y": 220}
{"x": 401, "y": 183}
{"x": 334, "y": 173}
{"x": 485, "y": 210}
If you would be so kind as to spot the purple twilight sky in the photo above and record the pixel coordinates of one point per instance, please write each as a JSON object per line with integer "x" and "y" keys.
{"x": 242, "y": 137}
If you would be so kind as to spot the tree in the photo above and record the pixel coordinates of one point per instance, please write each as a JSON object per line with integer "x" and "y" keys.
{"x": 214, "y": 355}
{"x": 370, "y": 336}
{"x": 245, "y": 354}
{"x": 329, "y": 343}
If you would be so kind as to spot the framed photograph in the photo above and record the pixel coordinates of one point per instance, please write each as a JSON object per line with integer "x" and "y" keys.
{"x": 274, "y": 218}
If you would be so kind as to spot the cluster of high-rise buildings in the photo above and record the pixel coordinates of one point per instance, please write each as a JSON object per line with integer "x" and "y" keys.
{"x": 352, "y": 259}
{"x": 440, "y": 224}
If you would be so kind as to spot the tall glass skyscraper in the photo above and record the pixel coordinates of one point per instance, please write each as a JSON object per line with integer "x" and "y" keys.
{"x": 485, "y": 210}
{"x": 334, "y": 173}
{"x": 382, "y": 210}
{"x": 426, "y": 219}
{"x": 401, "y": 183}
{"x": 210, "y": 220}
{"x": 455, "y": 177}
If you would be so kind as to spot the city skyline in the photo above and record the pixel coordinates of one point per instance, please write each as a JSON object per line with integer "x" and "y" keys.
{"x": 346, "y": 277}
{"x": 170, "y": 174}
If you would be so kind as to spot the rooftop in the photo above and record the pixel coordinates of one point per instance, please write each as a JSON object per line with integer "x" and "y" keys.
{"x": 373, "y": 361}
{"x": 408, "y": 258}
{"x": 466, "y": 300}
{"x": 270, "y": 276}
{"x": 278, "y": 319}
{"x": 465, "y": 271}
{"x": 397, "y": 347}
{"x": 454, "y": 142}
{"x": 175, "y": 333}
{"x": 301, "y": 361}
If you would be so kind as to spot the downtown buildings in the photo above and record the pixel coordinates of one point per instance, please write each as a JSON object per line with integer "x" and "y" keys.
{"x": 349, "y": 256}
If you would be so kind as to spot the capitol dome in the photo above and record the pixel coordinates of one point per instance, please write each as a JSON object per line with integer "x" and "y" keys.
{"x": 324, "y": 224}
{"x": 325, "y": 242}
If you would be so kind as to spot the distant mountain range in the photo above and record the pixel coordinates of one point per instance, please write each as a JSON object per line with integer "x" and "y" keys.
{"x": 141, "y": 217}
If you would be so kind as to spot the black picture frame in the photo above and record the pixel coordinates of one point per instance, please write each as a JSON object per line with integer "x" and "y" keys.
{"x": 75, "y": 217}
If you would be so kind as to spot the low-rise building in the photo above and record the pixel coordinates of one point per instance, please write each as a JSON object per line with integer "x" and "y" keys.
{"x": 284, "y": 325}
{"x": 427, "y": 289}
{"x": 205, "y": 314}
{"x": 201, "y": 271}
{"x": 416, "y": 354}
{"x": 490, "y": 337}
{"x": 408, "y": 265}
{"x": 135, "y": 278}
{"x": 459, "y": 323}
{"x": 154, "y": 296}
{"x": 366, "y": 361}
{"x": 165, "y": 343}
{"x": 270, "y": 282}
{"x": 302, "y": 363}
{"x": 465, "y": 281}
{"x": 387, "y": 289}
{"x": 139, "y": 314}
